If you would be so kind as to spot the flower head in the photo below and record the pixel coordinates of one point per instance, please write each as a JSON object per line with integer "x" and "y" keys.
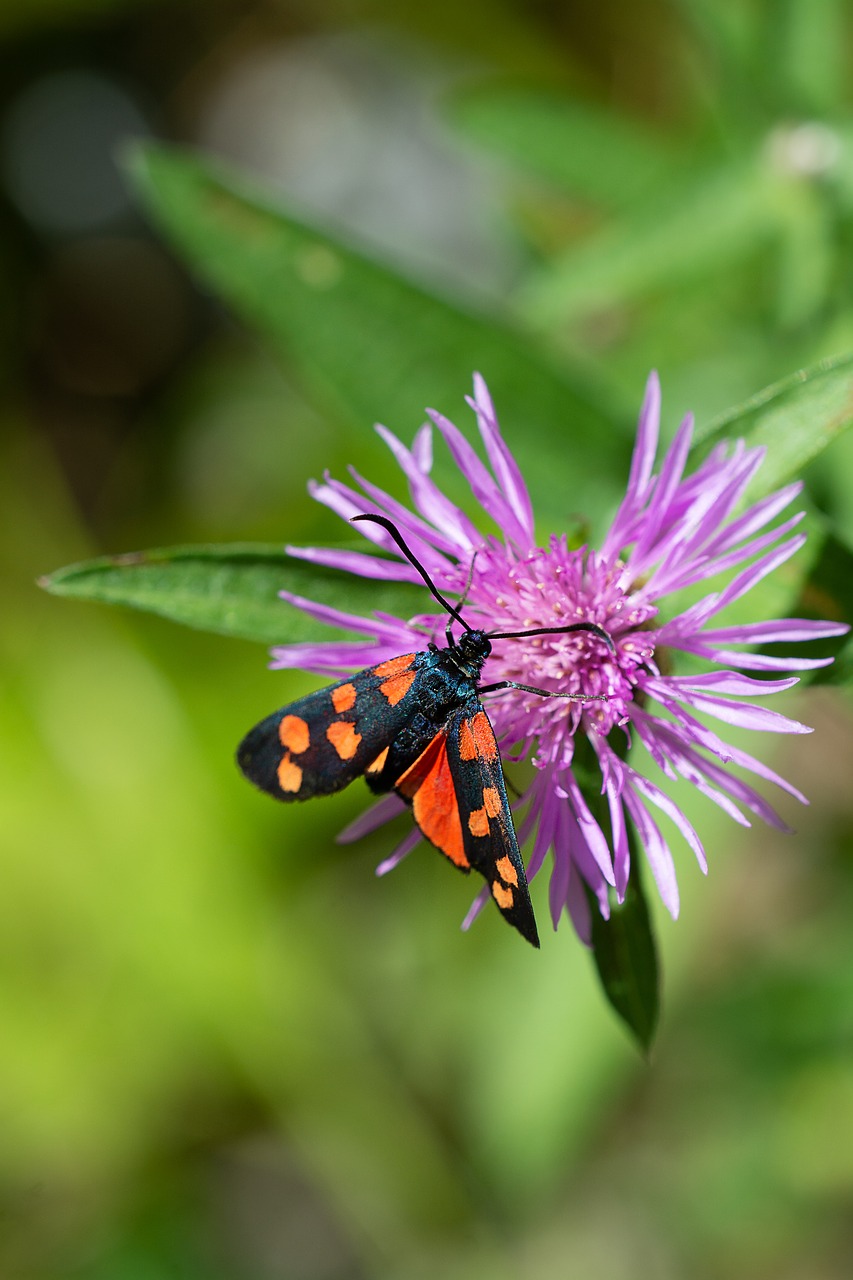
{"x": 672, "y": 531}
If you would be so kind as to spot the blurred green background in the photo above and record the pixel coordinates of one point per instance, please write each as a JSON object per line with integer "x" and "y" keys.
{"x": 226, "y": 1050}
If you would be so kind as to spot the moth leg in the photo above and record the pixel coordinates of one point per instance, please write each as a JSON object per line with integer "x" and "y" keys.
{"x": 543, "y": 693}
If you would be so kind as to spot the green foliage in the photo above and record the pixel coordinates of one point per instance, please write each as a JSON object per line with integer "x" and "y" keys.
{"x": 626, "y": 958}
{"x": 687, "y": 230}
{"x": 231, "y": 590}
{"x": 366, "y": 342}
{"x": 795, "y": 420}
{"x": 592, "y": 153}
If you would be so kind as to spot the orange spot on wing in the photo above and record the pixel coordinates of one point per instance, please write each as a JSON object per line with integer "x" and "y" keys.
{"x": 394, "y": 666}
{"x": 397, "y": 687}
{"x": 289, "y": 775}
{"x": 429, "y": 785}
{"x": 478, "y": 823}
{"x": 477, "y": 739}
{"x": 506, "y": 871}
{"x": 343, "y": 697}
{"x": 467, "y": 745}
{"x": 293, "y": 734}
{"x": 343, "y": 738}
{"x": 487, "y": 748}
{"x": 501, "y": 895}
{"x": 492, "y": 801}
{"x": 379, "y": 763}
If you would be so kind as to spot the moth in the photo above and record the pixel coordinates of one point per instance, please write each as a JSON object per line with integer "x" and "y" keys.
{"x": 416, "y": 725}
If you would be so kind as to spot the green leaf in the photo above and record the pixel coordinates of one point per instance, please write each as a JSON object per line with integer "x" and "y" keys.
{"x": 795, "y": 419}
{"x": 590, "y": 152}
{"x": 232, "y": 590}
{"x": 681, "y": 235}
{"x": 367, "y": 344}
{"x": 626, "y": 957}
{"x": 812, "y": 56}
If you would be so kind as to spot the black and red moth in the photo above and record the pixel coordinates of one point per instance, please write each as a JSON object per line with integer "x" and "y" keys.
{"x": 415, "y": 725}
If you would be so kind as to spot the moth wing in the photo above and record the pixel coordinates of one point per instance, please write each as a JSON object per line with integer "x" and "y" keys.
{"x": 459, "y": 801}
{"x": 320, "y": 743}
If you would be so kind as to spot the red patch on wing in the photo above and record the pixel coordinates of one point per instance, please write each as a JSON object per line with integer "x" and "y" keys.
{"x": 429, "y": 785}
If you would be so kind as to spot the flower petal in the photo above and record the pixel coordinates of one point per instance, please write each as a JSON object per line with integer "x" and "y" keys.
{"x": 577, "y": 905}
{"x": 328, "y": 658}
{"x": 588, "y": 828}
{"x": 430, "y": 546}
{"x": 706, "y": 566}
{"x": 483, "y": 486}
{"x": 393, "y": 631}
{"x": 754, "y": 519}
{"x": 406, "y": 845}
{"x": 657, "y": 851}
{"x": 428, "y": 498}
{"x": 558, "y": 885}
{"x": 476, "y": 907}
{"x": 356, "y": 562}
{"x": 640, "y": 478}
{"x": 645, "y": 448}
{"x": 776, "y": 629}
{"x": 504, "y": 466}
{"x": 730, "y": 682}
{"x": 380, "y": 812}
{"x": 662, "y": 801}
{"x": 747, "y": 715}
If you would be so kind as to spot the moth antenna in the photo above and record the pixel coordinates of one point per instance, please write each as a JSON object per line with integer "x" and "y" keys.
{"x": 464, "y": 595}
{"x": 416, "y": 564}
{"x": 592, "y": 627}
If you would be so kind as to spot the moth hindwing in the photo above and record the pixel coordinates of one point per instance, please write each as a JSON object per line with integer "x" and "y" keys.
{"x": 415, "y": 725}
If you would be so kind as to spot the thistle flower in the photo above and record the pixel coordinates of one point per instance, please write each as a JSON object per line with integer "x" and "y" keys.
{"x": 672, "y": 531}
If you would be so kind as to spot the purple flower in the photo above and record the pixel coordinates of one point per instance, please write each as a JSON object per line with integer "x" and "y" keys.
{"x": 672, "y": 533}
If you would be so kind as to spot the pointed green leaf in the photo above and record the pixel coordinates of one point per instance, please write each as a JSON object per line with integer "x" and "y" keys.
{"x": 366, "y": 343}
{"x": 626, "y": 959}
{"x": 794, "y": 419}
{"x": 232, "y": 590}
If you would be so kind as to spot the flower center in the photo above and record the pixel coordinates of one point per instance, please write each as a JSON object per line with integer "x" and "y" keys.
{"x": 549, "y": 588}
